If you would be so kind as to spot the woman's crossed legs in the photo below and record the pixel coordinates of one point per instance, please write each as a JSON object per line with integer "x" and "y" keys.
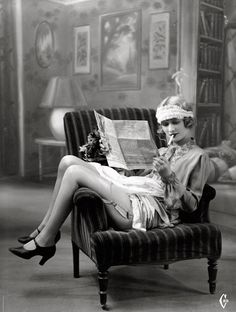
{"x": 72, "y": 173}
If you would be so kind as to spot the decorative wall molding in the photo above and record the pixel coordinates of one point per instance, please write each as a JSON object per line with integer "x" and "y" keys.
{"x": 20, "y": 85}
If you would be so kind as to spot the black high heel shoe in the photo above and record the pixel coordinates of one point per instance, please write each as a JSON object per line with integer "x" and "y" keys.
{"x": 26, "y": 239}
{"x": 45, "y": 252}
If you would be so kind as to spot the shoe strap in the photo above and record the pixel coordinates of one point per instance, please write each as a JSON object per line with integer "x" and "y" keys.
{"x": 36, "y": 244}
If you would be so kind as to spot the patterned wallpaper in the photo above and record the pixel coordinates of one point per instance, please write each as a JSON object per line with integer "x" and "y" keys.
{"x": 36, "y": 77}
{"x": 155, "y": 83}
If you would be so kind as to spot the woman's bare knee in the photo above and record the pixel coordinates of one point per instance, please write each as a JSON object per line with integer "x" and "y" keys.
{"x": 67, "y": 161}
{"x": 78, "y": 175}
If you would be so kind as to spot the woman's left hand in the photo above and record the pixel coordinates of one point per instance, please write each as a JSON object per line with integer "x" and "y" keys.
{"x": 162, "y": 166}
{"x": 104, "y": 146}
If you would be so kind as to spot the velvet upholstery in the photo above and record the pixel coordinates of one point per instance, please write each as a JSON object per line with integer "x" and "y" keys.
{"x": 92, "y": 230}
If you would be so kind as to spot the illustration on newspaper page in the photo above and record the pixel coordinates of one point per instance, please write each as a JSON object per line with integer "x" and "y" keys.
{"x": 131, "y": 145}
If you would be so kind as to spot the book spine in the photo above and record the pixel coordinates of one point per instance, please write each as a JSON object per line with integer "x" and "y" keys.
{"x": 202, "y": 87}
{"x": 213, "y": 129}
{"x": 206, "y": 53}
{"x": 203, "y": 125}
{"x": 218, "y": 130}
{"x": 208, "y": 133}
{"x": 204, "y": 23}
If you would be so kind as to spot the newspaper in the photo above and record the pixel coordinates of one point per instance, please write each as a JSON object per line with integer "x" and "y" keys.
{"x": 130, "y": 142}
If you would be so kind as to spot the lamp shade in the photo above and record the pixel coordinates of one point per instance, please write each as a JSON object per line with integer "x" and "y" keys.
{"x": 62, "y": 94}
{"x": 63, "y": 91}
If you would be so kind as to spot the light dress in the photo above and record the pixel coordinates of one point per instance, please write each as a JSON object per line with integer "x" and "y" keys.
{"x": 156, "y": 203}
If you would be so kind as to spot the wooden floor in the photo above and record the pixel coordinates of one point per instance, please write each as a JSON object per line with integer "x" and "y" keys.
{"x": 28, "y": 287}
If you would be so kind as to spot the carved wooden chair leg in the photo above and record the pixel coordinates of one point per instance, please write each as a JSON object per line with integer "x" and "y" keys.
{"x": 103, "y": 284}
{"x": 75, "y": 251}
{"x": 212, "y": 273}
{"x": 166, "y": 266}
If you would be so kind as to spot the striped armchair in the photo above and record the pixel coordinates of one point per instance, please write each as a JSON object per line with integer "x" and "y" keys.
{"x": 92, "y": 233}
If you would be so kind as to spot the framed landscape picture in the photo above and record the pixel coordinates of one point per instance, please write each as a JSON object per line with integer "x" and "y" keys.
{"x": 159, "y": 40}
{"x": 82, "y": 49}
{"x": 120, "y": 50}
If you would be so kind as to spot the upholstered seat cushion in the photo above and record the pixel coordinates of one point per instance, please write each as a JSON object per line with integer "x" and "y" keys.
{"x": 184, "y": 241}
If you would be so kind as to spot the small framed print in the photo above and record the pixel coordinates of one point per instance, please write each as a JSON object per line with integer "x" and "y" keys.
{"x": 159, "y": 40}
{"x": 82, "y": 49}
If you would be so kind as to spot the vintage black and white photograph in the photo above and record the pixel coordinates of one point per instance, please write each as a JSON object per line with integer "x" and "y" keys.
{"x": 117, "y": 155}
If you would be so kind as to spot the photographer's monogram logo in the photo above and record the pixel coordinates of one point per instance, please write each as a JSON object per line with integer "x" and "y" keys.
{"x": 223, "y": 300}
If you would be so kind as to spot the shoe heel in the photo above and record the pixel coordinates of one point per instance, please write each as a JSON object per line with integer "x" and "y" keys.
{"x": 49, "y": 254}
{"x": 44, "y": 259}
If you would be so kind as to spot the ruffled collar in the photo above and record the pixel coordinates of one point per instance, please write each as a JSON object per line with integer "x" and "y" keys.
{"x": 188, "y": 145}
{"x": 175, "y": 151}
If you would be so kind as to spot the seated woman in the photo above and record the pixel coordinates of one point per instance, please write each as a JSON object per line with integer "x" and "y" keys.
{"x": 176, "y": 182}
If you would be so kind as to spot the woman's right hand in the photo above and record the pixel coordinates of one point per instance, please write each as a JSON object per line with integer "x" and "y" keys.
{"x": 162, "y": 166}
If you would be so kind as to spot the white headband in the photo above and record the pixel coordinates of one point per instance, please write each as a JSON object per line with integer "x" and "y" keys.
{"x": 171, "y": 111}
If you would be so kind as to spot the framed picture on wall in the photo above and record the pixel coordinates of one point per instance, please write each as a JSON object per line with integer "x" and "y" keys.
{"x": 44, "y": 44}
{"x": 82, "y": 49}
{"x": 159, "y": 40}
{"x": 120, "y": 50}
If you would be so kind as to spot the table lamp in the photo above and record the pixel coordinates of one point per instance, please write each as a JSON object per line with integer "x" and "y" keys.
{"x": 62, "y": 94}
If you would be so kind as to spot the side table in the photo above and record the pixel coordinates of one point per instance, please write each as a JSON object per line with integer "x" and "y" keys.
{"x": 51, "y": 142}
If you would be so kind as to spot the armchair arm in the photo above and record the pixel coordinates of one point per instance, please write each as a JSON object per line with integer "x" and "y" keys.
{"x": 89, "y": 206}
{"x": 88, "y": 216}
{"x": 201, "y": 214}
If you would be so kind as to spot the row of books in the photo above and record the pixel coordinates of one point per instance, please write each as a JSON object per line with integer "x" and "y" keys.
{"x": 212, "y": 24}
{"x": 217, "y": 3}
{"x": 210, "y": 56}
{"x": 209, "y": 130}
{"x": 209, "y": 90}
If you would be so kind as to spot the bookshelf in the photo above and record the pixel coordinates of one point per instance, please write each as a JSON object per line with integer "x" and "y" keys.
{"x": 202, "y": 58}
{"x": 209, "y": 107}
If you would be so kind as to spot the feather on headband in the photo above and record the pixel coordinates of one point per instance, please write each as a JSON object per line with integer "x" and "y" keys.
{"x": 170, "y": 107}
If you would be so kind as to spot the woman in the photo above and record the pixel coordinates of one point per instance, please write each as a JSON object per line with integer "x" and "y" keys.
{"x": 142, "y": 202}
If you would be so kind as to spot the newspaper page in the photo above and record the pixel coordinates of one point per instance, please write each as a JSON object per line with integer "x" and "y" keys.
{"x": 130, "y": 142}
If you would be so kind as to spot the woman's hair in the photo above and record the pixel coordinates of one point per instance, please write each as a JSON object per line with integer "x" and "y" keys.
{"x": 175, "y": 107}
{"x": 188, "y": 122}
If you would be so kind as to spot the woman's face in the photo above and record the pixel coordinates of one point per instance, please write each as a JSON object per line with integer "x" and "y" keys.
{"x": 176, "y": 128}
